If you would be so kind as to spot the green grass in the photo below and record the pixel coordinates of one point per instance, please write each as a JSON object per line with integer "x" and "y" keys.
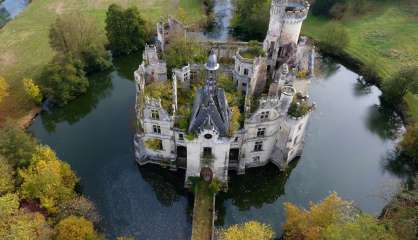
{"x": 202, "y": 212}
{"x": 24, "y": 48}
{"x": 386, "y": 37}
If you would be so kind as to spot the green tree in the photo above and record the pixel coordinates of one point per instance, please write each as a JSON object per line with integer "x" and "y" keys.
{"x": 397, "y": 87}
{"x": 32, "y": 90}
{"x": 76, "y": 35}
{"x": 249, "y": 231}
{"x": 63, "y": 80}
{"x": 250, "y": 19}
{"x": 125, "y": 30}
{"x": 409, "y": 143}
{"x": 9, "y": 204}
{"x": 75, "y": 228}
{"x": 47, "y": 179}
{"x": 4, "y": 88}
{"x": 7, "y": 183}
{"x": 181, "y": 52}
{"x": 336, "y": 38}
{"x": 16, "y": 146}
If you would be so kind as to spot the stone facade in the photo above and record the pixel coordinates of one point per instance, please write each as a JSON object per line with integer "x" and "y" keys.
{"x": 273, "y": 131}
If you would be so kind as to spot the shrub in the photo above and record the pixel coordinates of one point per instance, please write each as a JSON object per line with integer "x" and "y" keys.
{"x": 4, "y": 88}
{"x": 125, "y": 30}
{"x": 161, "y": 90}
{"x": 180, "y": 52}
{"x": 63, "y": 80}
{"x": 336, "y": 38}
{"x": 250, "y": 231}
{"x": 79, "y": 207}
{"x": 298, "y": 108}
{"x": 395, "y": 88}
{"x": 32, "y": 90}
{"x": 75, "y": 228}
{"x": 234, "y": 123}
{"x": 153, "y": 144}
{"x": 409, "y": 143}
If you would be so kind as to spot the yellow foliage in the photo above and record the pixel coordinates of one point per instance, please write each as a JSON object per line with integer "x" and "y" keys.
{"x": 32, "y": 90}
{"x": 48, "y": 179}
{"x": 303, "y": 224}
{"x": 4, "y": 88}
{"x": 249, "y": 231}
{"x": 75, "y": 228}
{"x": 153, "y": 144}
{"x": 9, "y": 204}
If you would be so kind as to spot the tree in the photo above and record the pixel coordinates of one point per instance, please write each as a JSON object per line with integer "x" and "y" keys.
{"x": 75, "y": 228}
{"x": 250, "y": 19}
{"x": 336, "y": 38}
{"x": 63, "y": 80}
{"x": 125, "y": 30}
{"x": 7, "y": 183}
{"x": 333, "y": 218}
{"x": 32, "y": 90}
{"x": 76, "y": 35}
{"x": 47, "y": 179}
{"x": 16, "y": 146}
{"x": 234, "y": 123}
{"x": 409, "y": 143}
{"x": 4, "y": 88}
{"x": 180, "y": 52}
{"x": 249, "y": 231}
{"x": 395, "y": 88}
{"x": 20, "y": 224}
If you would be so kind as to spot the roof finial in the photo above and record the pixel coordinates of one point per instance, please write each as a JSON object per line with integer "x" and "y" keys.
{"x": 212, "y": 64}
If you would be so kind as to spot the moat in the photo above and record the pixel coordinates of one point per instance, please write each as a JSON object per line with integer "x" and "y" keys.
{"x": 348, "y": 140}
{"x": 346, "y": 145}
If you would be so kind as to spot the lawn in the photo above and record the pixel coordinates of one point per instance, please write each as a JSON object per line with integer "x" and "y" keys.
{"x": 24, "y": 48}
{"x": 202, "y": 212}
{"x": 386, "y": 37}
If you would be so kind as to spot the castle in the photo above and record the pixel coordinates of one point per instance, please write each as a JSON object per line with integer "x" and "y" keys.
{"x": 204, "y": 136}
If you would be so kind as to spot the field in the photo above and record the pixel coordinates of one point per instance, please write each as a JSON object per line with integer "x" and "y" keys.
{"x": 386, "y": 38}
{"x": 24, "y": 47}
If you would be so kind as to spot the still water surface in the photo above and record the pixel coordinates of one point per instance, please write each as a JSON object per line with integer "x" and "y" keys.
{"x": 9, "y": 9}
{"x": 347, "y": 140}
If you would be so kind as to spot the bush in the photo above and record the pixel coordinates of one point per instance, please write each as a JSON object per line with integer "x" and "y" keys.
{"x": 298, "y": 108}
{"x": 234, "y": 123}
{"x": 75, "y": 228}
{"x": 409, "y": 143}
{"x": 63, "y": 80}
{"x": 7, "y": 183}
{"x": 125, "y": 30}
{"x": 79, "y": 207}
{"x": 161, "y": 90}
{"x": 251, "y": 19}
{"x": 180, "y": 52}
{"x": 336, "y": 38}
{"x": 249, "y": 231}
{"x": 153, "y": 144}
{"x": 397, "y": 87}
{"x": 32, "y": 91}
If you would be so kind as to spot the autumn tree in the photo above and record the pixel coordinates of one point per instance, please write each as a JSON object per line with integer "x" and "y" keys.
{"x": 78, "y": 36}
{"x": 331, "y": 219}
{"x": 249, "y": 231}
{"x": 75, "y": 228}
{"x": 125, "y": 30}
{"x": 47, "y": 179}
{"x": 7, "y": 183}
{"x": 4, "y": 88}
{"x": 32, "y": 90}
{"x": 63, "y": 80}
{"x": 79, "y": 207}
{"x": 17, "y": 223}
{"x": 16, "y": 146}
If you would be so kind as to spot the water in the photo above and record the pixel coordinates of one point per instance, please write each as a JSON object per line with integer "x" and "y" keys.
{"x": 348, "y": 137}
{"x": 9, "y": 9}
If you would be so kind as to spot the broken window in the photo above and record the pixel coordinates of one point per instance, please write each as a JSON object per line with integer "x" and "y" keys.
{"x": 258, "y": 146}
{"x": 261, "y": 132}
{"x": 156, "y": 129}
{"x": 155, "y": 114}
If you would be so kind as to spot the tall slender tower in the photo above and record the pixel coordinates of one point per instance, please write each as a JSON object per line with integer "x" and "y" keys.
{"x": 275, "y": 25}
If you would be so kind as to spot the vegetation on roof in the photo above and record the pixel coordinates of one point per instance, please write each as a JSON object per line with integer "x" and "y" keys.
{"x": 161, "y": 90}
{"x": 254, "y": 50}
{"x": 299, "y": 107}
{"x": 153, "y": 144}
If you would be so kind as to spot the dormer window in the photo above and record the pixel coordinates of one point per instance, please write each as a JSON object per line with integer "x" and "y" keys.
{"x": 155, "y": 114}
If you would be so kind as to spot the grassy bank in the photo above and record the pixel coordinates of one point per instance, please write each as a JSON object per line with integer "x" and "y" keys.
{"x": 24, "y": 47}
{"x": 385, "y": 38}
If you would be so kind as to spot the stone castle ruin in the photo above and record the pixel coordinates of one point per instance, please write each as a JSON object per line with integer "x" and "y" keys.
{"x": 201, "y": 134}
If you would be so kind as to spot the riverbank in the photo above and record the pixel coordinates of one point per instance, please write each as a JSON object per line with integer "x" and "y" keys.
{"x": 24, "y": 44}
{"x": 382, "y": 39}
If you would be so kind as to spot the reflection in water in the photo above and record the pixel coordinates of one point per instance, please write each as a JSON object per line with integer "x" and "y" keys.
{"x": 100, "y": 87}
{"x": 383, "y": 121}
{"x": 9, "y": 9}
{"x": 257, "y": 187}
{"x": 362, "y": 87}
{"x": 325, "y": 67}
{"x": 401, "y": 166}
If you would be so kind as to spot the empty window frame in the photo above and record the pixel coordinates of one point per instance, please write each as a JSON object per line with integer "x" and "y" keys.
{"x": 258, "y": 146}
{"x": 261, "y": 132}
{"x": 155, "y": 114}
{"x": 264, "y": 115}
{"x": 156, "y": 129}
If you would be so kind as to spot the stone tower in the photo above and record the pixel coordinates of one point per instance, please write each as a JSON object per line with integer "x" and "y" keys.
{"x": 286, "y": 18}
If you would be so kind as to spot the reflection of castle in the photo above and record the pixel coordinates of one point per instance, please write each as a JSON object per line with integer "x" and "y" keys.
{"x": 273, "y": 82}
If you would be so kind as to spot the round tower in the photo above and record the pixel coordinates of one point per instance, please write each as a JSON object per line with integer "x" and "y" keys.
{"x": 294, "y": 13}
{"x": 276, "y": 15}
